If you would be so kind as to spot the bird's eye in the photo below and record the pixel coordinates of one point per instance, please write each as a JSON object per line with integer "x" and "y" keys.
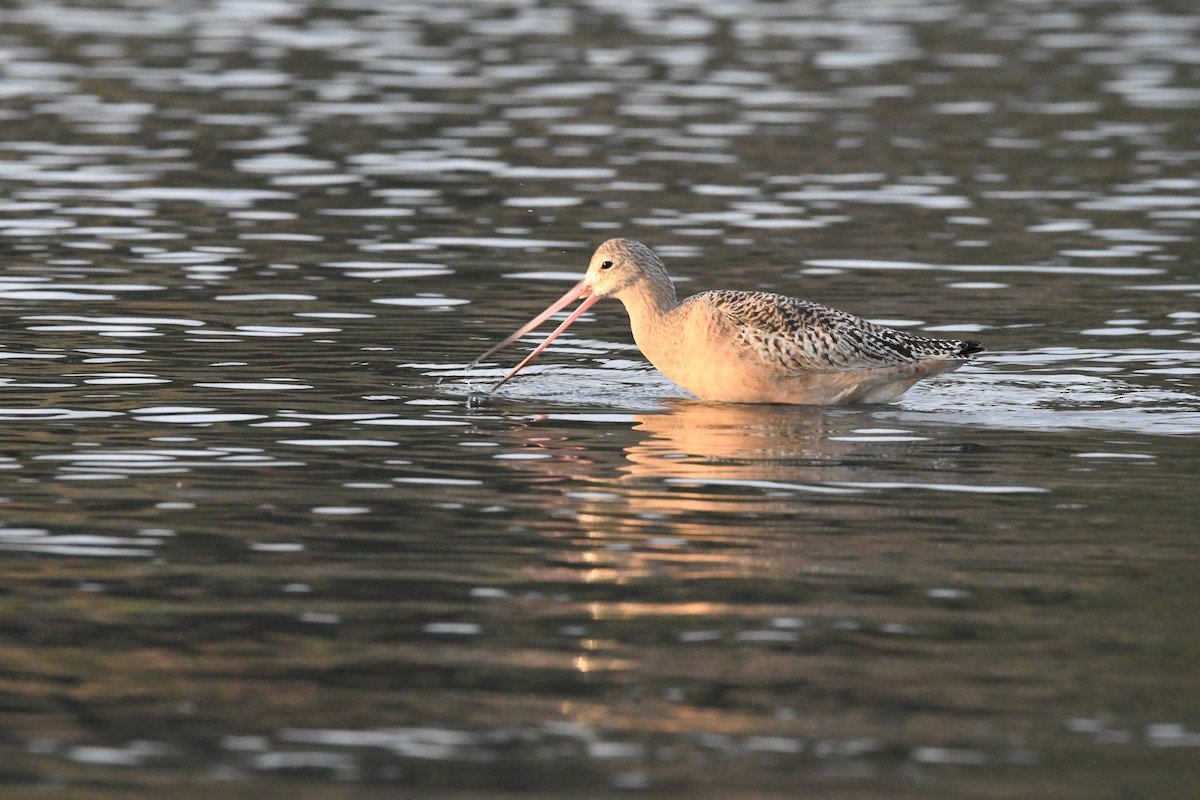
{"x": 606, "y": 265}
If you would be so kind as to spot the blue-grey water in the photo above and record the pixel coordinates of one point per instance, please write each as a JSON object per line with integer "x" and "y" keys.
{"x": 256, "y": 542}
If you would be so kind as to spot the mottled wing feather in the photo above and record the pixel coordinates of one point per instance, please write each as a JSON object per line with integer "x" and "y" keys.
{"x": 799, "y": 336}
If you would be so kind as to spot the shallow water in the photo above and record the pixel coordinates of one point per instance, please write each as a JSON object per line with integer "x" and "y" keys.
{"x": 257, "y": 541}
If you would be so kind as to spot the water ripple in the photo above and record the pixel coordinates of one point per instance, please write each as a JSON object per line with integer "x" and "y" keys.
{"x": 298, "y": 222}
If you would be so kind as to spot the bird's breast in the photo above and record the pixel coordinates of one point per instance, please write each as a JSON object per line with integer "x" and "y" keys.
{"x": 698, "y": 349}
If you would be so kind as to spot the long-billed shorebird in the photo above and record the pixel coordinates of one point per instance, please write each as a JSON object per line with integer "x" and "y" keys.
{"x": 749, "y": 347}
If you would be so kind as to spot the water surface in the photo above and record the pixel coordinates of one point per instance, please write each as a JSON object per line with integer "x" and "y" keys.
{"x": 256, "y": 541}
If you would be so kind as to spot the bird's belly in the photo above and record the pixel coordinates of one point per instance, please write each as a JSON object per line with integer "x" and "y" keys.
{"x": 718, "y": 373}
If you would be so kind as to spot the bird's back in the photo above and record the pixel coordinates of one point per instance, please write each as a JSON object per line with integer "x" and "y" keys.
{"x": 800, "y": 336}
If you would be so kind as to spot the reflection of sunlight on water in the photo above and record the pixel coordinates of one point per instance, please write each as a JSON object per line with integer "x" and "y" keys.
{"x": 29, "y": 540}
{"x": 711, "y": 491}
{"x": 1058, "y": 389}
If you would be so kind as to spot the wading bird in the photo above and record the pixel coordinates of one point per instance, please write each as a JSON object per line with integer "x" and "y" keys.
{"x": 749, "y": 347}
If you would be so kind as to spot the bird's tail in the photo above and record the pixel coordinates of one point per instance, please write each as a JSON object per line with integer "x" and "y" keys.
{"x": 969, "y": 348}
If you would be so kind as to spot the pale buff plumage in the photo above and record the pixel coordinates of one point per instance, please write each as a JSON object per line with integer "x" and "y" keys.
{"x": 752, "y": 347}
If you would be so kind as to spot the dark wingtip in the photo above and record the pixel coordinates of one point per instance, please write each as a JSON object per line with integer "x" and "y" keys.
{"x": 970, "y": 348}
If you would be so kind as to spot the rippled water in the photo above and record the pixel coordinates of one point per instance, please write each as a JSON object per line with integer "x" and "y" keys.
{"x": 256, "y": 541}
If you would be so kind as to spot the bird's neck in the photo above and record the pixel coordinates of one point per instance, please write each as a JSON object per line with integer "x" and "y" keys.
{"x": 649, "y": 303}
{"x": 651, "y": 310}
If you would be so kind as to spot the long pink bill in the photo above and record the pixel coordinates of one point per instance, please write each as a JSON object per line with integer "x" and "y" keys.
{"x": 588, "y": 302}
{"x": 555, "y": 307}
